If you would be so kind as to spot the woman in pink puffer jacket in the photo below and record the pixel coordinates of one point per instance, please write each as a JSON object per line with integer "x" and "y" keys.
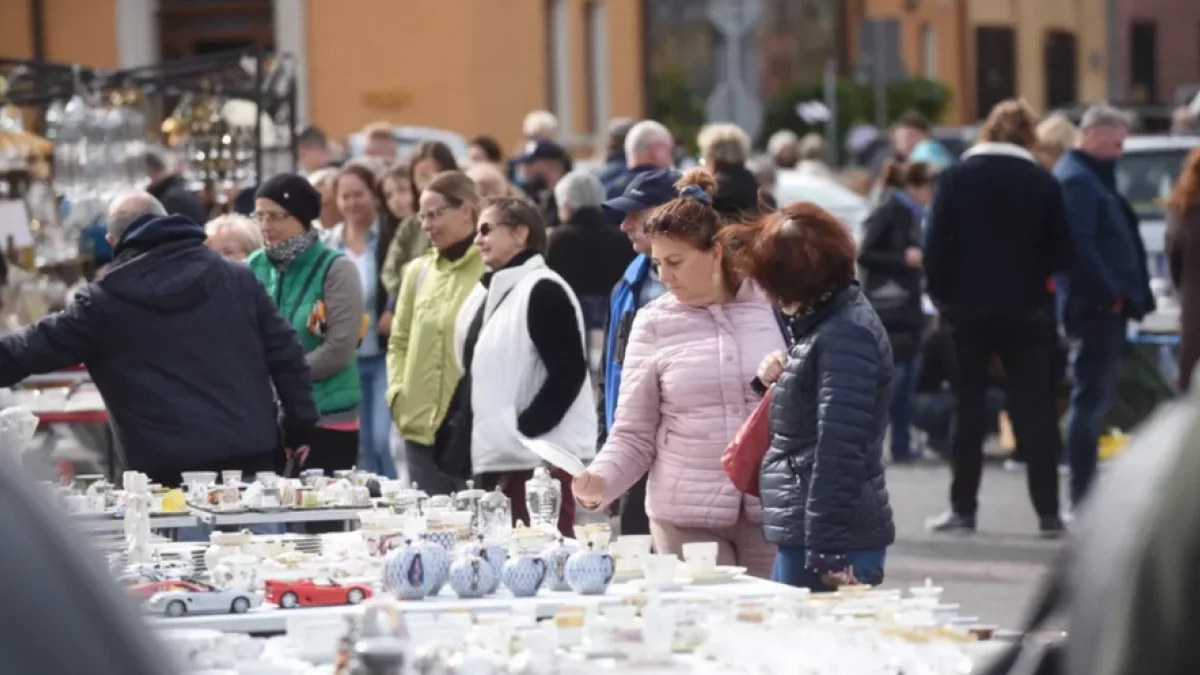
{"x": 685, "y": 390}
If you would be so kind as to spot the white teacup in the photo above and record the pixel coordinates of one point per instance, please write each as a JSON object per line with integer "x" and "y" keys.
{"x": 659, "y": 569}
{"x": 630, "y": 551}
{"x": 701, "y": 557}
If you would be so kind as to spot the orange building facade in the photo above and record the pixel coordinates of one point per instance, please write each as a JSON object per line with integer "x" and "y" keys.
{"x": 472, "y": 66}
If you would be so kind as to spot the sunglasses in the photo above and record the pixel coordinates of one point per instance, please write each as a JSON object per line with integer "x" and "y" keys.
{"x": 486, "y": 229}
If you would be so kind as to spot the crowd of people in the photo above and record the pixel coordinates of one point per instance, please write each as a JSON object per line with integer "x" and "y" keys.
{"x": 427, "y": 318}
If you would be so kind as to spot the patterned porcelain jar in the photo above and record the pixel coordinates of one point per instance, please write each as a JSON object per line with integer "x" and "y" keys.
{"x": 406, "y": 573}
{"x": 589, "y": 572}
{"x": 524, "y": 573}
{"x": 495, "y": 555}
{"x": 437, "y": 563}
{"x": 471, "y": 576}
{"x": 556, "y": 557}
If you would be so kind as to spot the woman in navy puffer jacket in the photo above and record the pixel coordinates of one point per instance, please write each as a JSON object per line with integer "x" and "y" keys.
{"x": 824, "y": 498}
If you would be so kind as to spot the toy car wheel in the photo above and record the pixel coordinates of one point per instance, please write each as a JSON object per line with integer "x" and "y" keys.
{"x": 240, "y": 605}
{"x": 355, "y": 596}
{"x": 288, "y": 600}
{"x": 175, "y": 608}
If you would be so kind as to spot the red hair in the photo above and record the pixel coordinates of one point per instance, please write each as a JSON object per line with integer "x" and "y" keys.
{"x": 796, "y": 255}
{"x": 1187, "y": 190}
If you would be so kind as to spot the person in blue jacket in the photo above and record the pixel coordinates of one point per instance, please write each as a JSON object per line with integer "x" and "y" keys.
{"x": 636, "y": 289}
{"x": 1107, "y": 286}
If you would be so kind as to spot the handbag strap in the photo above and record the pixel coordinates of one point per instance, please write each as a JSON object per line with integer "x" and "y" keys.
{"x": 476, "y": 327}
{"x": 781, "y": 321}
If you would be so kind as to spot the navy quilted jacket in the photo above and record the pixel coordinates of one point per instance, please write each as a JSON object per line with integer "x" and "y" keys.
{"x": 822, "y": 481}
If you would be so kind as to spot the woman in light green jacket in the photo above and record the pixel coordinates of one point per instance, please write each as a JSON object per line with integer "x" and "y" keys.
{"x": 422, "y": 367}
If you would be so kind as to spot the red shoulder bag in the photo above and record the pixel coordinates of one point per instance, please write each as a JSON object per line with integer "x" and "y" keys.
{"x": 743, "y": 457}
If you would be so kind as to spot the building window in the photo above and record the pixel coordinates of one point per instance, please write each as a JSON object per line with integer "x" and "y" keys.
{"x": 595, "y": 35}
{"x": 995, "y": 67}
{"x": 192, "y": 28}
{"x": 558, "y": 52}
{"x": 929, "y": 51}
{"x": 1061, "y": 68}
{"x": 1143, "y": 62}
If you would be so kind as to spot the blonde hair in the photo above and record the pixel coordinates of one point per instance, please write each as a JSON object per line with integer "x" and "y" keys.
{"x": 456, "y": 188}
{"x": 489, "y": 180}
{"x": 246, "y": 230}
{"x": 323, "y": 177}
{"x": 1056, "y": 134}
{"x": 724, "y": 143}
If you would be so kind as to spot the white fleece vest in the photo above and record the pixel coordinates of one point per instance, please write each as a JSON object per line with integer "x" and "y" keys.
{"x": 506, "y": 373}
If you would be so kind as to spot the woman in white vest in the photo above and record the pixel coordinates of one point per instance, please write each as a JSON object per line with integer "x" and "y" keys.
{"x": 520, "y": 339}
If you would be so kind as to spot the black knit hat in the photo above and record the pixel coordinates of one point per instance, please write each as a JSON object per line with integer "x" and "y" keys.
{"x": 295, "y": 194}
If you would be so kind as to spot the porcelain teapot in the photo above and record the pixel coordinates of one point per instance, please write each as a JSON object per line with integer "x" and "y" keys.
{"x": 495, "y": 554}
{"x": 524, "y": 573}
{"x": 437, "y": 565}
{"x": 589, "y": 572}
{"x": 406, "y": 574}
{"x": 556, "y": 556}
{"x": 471, "y": 576}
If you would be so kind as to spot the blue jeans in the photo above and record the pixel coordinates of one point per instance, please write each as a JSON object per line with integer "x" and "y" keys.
{"x": 789, "y": 568}
{"x": 903, "y": 383}
{"x": 1097, "y": 345}
{"x": 375, "y": 424}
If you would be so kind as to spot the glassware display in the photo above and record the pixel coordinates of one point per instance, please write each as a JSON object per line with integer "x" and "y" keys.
{"x": 543, "y": 499}
{"x": 468, "y": 500}
{"x": 495, "y": 516}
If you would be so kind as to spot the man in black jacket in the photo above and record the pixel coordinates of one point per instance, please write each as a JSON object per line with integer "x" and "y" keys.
{"x": 183, "y": 345}
{"x": 170, "y": 189}
{"x": 996, "y": 233}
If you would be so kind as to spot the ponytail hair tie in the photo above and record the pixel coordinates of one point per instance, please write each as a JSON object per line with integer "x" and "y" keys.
{"x": 695, "y": 192}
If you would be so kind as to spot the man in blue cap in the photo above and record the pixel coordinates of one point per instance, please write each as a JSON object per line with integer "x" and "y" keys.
{"x": 544, "y": 163}
{"x": 636, "y": 289}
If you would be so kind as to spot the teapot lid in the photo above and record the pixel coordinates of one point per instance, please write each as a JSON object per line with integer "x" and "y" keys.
{"x": 495, "y": 498}
{"x": 471, "y": 493}
{"x": 416, "y": 491}
{"x": 541, "y": 476}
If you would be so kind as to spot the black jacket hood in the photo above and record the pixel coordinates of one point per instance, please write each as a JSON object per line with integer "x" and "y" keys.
{"x": 161, "y": 263}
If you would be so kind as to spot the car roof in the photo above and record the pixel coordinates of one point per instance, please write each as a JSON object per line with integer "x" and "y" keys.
{"x": 410, "y": 136}
{"x": 1160, "y": 142}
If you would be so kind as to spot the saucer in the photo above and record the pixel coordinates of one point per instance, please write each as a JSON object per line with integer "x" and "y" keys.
{"x": 643, "y": 585}
{"x": 718, "y": 575}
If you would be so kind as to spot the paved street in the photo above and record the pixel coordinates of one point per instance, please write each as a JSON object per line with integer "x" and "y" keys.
{"x": 992, "y": 574}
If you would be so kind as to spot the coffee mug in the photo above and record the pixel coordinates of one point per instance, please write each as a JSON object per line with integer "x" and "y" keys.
{"x": 701, "y": 557}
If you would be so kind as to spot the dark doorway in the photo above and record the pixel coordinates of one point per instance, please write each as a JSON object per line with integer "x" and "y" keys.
{"x": 1143, "y": 62}
{"x": 1061, "y": 69}
{"x": 995, "y": 67}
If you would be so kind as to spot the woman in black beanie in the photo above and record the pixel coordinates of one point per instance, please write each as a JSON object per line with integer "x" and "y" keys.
{"x": 318, "y": 291}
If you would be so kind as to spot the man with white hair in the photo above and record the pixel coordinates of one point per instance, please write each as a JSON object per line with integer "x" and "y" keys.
{"x": 1107, "y": 285}
{"x": 187, "y": 349}
{"x": 540, "y": 125}
{"x": 649, "y": 146}
{"x": 784, "y": 148}
{"x": 587, "y": 252}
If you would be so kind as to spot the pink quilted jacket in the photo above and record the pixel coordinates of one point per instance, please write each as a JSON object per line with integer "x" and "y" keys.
{"x": 685, "y": 391}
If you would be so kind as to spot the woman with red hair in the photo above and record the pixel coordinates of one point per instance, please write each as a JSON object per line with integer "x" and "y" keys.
{"x": 824, "y": 497}
{"x": 1183, "y": 251}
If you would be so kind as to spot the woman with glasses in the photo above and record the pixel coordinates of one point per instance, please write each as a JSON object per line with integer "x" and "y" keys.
{"x": 318, "y": 291}
{"x": 423, "y": 370}
{"x": 520, "y": 340}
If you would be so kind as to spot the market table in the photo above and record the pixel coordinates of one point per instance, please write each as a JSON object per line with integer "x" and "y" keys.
{"x": 269, "y": 620}
{"x": 217, "y": 518}
{"x": 107, "y": 525}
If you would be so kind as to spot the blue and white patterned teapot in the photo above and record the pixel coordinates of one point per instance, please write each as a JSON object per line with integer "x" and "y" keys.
{"x": 471, "y": 576}
{"x": 437, "y": 563}
{"x": 556, "y": 556}
{"x": 406, "y": 572}
{"x": 493, "y": 554}
{"x": 523, "y": 574}
{"x": 589, "y": 572}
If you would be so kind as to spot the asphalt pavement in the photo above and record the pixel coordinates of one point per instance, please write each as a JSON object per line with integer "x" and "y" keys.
{"x": 994, "y": 573}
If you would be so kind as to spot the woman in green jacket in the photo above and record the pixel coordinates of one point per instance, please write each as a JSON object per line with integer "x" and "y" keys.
{"x": 422, "y": 367}
{"x": 319, "y": 292}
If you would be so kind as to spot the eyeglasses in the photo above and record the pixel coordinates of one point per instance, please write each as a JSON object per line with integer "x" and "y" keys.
{"x": 268, "y": 216}
{"x": 434, "y": 213}
{"x": 487, "y": 228}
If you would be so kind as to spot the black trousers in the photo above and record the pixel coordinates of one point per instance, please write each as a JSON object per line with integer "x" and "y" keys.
{"x": 1027, "y": 350}
{"x": 633, "y": 509}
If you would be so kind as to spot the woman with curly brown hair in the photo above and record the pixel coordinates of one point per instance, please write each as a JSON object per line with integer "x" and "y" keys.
{"x": 1183, "y": 252}
{"x": 686, "y": 389}
{"x": 824, "y": 497}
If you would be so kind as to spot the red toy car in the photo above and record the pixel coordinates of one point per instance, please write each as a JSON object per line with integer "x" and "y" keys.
{"x": 314, "y": 593}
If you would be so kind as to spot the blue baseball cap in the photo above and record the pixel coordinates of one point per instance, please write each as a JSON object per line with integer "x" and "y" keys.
{"x": 645, "y": 191}
{"x": 535, "y": 150}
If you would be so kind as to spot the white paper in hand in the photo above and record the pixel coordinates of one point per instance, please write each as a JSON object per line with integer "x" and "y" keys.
{"x": 555, "y": 456}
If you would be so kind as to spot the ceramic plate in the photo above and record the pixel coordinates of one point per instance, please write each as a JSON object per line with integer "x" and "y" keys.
{"x": 643, "y": 585}
{"x": 555, "y": 455}
{"x": 719, "y": 575}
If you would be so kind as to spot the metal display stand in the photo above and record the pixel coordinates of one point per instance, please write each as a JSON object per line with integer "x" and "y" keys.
{"x": 217, "y": 518}
{"x": 166, "y": 521}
